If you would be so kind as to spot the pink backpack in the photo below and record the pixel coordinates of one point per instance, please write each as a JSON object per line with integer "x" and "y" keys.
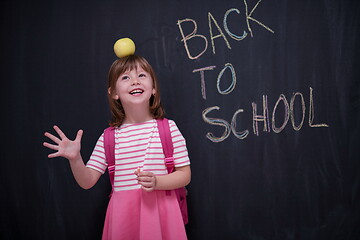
{"x": 168, "y": 149}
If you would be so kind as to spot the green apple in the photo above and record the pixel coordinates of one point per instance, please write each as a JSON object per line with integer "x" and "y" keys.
{"x": 124, "y": 47}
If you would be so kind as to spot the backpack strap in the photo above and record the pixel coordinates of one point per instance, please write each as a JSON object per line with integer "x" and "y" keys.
{"x": 109, "y": 146}
{"x": 166, "y": 142}
{"x": 168, "y": 149}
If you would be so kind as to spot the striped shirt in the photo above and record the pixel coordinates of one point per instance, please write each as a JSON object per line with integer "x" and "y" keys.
{"x": 138, "y": 146}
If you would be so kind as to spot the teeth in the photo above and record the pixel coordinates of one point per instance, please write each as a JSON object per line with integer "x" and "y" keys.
{"x": 136, "y": 91}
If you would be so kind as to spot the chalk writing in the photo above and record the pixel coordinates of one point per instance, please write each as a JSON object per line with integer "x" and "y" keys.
{"x": 190, "y": 36}
{"x": 223, "y": 123}
{"x": 216, "y": 121}
{"x": 212, "y": 21}
{"x": 223, "y": 92}
{"x": 233, "y": 78}
{"x": 311, "y": 113}
{"x": 261, "y": 118}
{"x": 264, "y": 118}
{"x": 212, "y": 37}
{"x": 232, "y": 35}
{"x": 242, "y": 134}
{"x": 281, "y": 112}
{"x": 202, "y": 78}
{"x": 248, "y": 17}
{"x": 297, "y": 128}
{"x": 286, "y": 115}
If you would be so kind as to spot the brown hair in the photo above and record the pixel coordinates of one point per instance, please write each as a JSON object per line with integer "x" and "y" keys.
{"x": 120, "y": 66}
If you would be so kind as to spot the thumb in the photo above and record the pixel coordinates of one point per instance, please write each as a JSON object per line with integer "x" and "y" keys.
{"x": 79, "y": 135}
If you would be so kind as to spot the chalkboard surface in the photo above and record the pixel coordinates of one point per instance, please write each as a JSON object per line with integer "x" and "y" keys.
{"x": 266, "y": 94}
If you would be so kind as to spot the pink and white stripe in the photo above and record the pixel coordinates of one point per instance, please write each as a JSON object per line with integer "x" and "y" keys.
{"x": 138, "y": 146}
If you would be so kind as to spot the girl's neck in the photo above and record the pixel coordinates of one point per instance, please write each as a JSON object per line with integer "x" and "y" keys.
{"x": 137, "y": 115}
{"x": 130, "y": 120}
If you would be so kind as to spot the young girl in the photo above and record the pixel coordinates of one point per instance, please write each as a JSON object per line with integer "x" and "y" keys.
{"x": 139, "y": 207}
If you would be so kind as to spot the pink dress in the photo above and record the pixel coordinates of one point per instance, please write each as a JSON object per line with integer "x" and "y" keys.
{"x": 132, "y": 212}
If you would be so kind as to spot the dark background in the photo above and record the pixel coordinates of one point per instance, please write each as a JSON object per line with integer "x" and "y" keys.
{"x": 303, "y": 184}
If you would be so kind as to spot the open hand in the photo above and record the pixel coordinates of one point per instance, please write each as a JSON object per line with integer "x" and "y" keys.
{"x": 63, "y": 146}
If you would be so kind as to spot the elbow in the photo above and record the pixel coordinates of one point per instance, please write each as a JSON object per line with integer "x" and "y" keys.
{"x": 188, "y": 178}
{"x": 187, "y": 182}
{"x": 86, "y": 186}
{"x": 90, "y": 180}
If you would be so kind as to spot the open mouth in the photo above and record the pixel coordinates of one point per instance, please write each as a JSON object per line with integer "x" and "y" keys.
{"x": 136, "y": 92}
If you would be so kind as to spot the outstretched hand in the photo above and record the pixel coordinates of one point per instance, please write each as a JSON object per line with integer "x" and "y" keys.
{"x": 63, "y": 146}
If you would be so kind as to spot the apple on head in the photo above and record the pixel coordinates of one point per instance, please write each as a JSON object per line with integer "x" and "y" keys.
{"x": 124, "y": 47}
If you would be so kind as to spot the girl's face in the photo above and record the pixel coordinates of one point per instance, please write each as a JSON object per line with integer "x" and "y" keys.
{"x": 134, "y": 87}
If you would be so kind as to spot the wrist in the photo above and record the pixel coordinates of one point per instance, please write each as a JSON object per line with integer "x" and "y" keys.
{"x": 155, "y": 182}
{"x": 74, "y": 159}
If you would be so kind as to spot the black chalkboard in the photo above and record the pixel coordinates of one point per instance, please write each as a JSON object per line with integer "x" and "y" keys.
{"x": 266, "y": 93}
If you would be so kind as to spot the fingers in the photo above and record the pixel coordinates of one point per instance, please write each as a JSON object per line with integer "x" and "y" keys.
{"x": 137, "y": 171}
{"x": 147, "y": 180}
{"x": 52, "y": 137}
{"x": 54, "y": 155}
{"x": 51, "y": 146}
{"x": 59, "y": 132}
{"x": 62, "y": 145}
{"x": 144, "y": 174}
{"x": 148, "y": 187}
{"x": 62, "y": 135}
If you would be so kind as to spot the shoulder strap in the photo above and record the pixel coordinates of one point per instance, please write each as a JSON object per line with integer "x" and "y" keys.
{"x": 109, "y": 145}
{"x": 166, "y": 141}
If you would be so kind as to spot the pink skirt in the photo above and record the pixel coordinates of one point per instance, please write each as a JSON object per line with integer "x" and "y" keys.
{"x": 140, "y": 215}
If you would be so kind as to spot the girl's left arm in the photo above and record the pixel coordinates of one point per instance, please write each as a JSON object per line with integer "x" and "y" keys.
{"x": 177, "y": 179}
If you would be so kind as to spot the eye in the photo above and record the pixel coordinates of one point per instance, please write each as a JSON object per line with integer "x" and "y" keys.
{"x": 142, "y": 75}
{"x": 124, "y": 77}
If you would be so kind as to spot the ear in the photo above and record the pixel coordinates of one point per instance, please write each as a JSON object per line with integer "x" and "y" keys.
{"x": 153, "y": 91}
{"x": 114, "y": 96}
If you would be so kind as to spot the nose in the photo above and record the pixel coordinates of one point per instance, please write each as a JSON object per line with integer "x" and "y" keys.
{"x": 135, "y": 81}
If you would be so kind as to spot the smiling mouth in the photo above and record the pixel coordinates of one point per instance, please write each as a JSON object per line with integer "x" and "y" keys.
{"x": 136, "y": 91}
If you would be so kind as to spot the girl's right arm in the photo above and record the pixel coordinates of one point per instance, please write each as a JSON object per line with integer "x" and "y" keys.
{"x": 85, "y": 177}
